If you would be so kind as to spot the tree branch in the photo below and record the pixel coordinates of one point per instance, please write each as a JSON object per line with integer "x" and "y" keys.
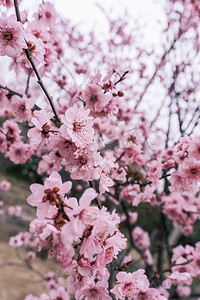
{"x": 11, "y": 92}
{"x": 28, "y": 81}
{"x": 40, "y": 82}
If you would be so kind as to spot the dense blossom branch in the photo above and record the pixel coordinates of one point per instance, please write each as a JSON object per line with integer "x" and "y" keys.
{"x": 40, "y": 82}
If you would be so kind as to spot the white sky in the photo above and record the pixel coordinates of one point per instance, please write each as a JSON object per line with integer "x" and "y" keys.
{"x": 88, "y": 14}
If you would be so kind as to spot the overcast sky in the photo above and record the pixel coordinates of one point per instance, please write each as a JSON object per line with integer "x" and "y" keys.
{"x": 89, "y": 14}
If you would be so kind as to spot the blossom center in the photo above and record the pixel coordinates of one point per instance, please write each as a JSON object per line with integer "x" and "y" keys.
{"x": 77, "y": 126}
{"x": 31, "y": 47}
{"x": 52, "y": 196}
{"x": 18, "y": 152}
{"x": 93, "y": 98}
{"x": 48, "y": 15}
{"x": 93, "y": 292}
{"x": 45, "y": 130}
{"x": 193, "y": 171}
{"x": 7, "y": 35}
{"x": 22, "y": 107}
{"x": 82, "y": 160}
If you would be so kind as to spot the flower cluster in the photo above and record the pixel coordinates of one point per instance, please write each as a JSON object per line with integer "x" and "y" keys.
{"x": 118, "y": 227}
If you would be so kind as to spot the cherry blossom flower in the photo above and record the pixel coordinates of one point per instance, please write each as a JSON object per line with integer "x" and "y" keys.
{"x": 43, "y": 196}
{"x": 15, "y": 210}
{"x": 177, "y": 278}
{"x": 42, "y": 131}
{"x": 85, "y": 165}
{"x": 45, "y": 165}
{"x": 21, "y": 108}
{"x": 59, "y": 293}
{"x": 94, "y": 291}
{"x": 48, "y": 12}
{"x": 19, "y": 152}
{"x": 130, "y": 284}
{"x": 78, "y": 125}
{"x": 36, "y": 49}
{"x": 95, "y": 99}
{"x": 141, "y": 238}
{"x": 11, "y": 36}
{"x": 5, "y": 185}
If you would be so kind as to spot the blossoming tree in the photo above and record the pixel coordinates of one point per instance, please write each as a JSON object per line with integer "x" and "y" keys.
{"x": 118, "y": 150}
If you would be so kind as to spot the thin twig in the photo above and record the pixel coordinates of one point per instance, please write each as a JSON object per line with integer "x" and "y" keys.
{"x": 180, "y": 121}
{"x": 169, "y": 124}
{"x": 21, "y": 265}
{"x": 192, "y": 118}
{"x": 11, "y": 92}
{"x": 158, "y": 66}
{"x": 28, "y": 81}
{"x": 96, "y": 199}
{"x": 111, "y": 278}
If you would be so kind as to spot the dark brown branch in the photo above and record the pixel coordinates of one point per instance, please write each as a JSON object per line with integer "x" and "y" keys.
{"x": 11, "y": 92}
{"x": 17, "y": 11}
{"x": 180, "y": 121}
{"x": 192, "y": 118}
{"x": 111, "y": 278}
{"x": 40, "y": 82}
{"x": 28, "y": 82}
{"x": 96, "y": 199}
{"x": 169, "y": 124}
{"x": 195, "y": 124}
{"x": 122, "y": 77}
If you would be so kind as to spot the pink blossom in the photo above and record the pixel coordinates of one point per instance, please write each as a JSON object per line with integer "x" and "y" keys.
{"x": 15, "y": 210}
{"x": 177, "y": 278}
{"x": 85, "y": 165}
{"x": 36, "y": 49}
{"x": 31, "y": 255}
{"x": 194, "y": 148}
{"x": 39, "y": 29}
{"x": 78, "y": 125}
{"x": 183, "y": 291}
{"x": 11, "y": 36}
{"x": 48, "y": 12}
{"x": 181, "y": 148}
{"x": 93, "y": 291}
{"x": 151, "y": 294}
{"x": 19, "y": 152}
{"x": 141, "y": 238}
{"x": 130, "y": 284}
{"x": 3, "y": 143}
{"x": 45, "y": 165}
{"x": 42, "y": 131}
{"x": 5, "y": 185}
{"x": 12, "y": 131}
{"x": 154, "y": 171}
{"x": 21, "y": 108}
{"x": 105, "y": 177}
{"x": 43, "y": 196}
{"x": 190, "y": 170}
{"x": 21, "y": 239}
{"x": 95, "y": 99}
{"x": 59, "y": 293}
{"x": 111, "y": 249}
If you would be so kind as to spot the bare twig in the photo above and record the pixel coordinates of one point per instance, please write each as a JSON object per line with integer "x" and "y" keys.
{"x": 23, "y": 265}
{"x": 11, "y": 92}
{"x": 28, "y": 81}
{"x": 169, "y": 124}
{"x": 158, "y": 66}
{"x": 96, "y": 199}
